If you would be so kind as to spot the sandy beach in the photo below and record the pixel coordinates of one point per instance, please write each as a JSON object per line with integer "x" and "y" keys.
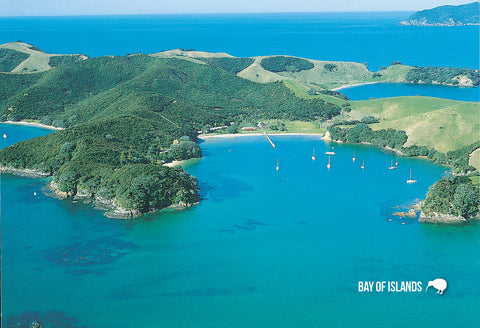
{"x": 354, "y": 85}
{"x": 233, "y": 135}
{"x": 33, "y": 124}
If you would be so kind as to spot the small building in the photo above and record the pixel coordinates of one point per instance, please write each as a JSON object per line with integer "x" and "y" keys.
{"x": 249, "y": 128}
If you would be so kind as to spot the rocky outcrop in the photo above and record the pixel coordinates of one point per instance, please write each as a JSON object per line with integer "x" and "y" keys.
{"x": 441, "y": 218}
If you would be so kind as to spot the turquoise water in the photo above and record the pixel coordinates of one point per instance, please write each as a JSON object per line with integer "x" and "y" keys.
{"x": 262, "y": 249}
{"x": 17, "y": 133}
{"x": 371, "y": 37}
{"x": 379, "y": 90}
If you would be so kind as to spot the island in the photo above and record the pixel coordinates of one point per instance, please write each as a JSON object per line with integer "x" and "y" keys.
{"x": 467, "y": 14}
{"x": 123, "y": 120}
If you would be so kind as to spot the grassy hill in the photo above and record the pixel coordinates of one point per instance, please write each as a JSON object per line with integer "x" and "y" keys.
{"x": 127, "y": 115}
{"x": 25, "y": 58}
{"x": 439, "y": 123}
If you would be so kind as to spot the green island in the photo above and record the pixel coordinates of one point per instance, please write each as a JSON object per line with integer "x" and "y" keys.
{"x": 123, "y": 120}
{"x": 467, "y": 14}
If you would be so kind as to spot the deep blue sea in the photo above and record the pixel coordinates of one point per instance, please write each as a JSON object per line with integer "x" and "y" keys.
{"x": 374, "y": 38}
{"x": 262, "y": 248}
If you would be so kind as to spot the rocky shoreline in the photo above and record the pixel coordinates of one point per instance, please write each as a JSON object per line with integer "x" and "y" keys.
{"x": 441, "y": 218}
{"x": 23, "y": 172}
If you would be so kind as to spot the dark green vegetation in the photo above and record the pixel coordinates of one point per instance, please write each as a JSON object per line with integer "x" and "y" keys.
{"x": 443, "y": 75}
{"x": 361, "y": 132}
{"x": 230, "y": 64}
{"x": 458, "y": 159}
{"x": 446, "y": 15}
{"x": 9, "y": 59}
{"x": 59, "y": 60}
{"x": 286, "y": 64}
{"x": 125, "y": 116}
{"x": 453, "y": 196}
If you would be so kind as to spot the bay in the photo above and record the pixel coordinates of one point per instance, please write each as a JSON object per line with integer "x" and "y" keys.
{"x": 386, "y": 90}
{"x": 262, "y": 248}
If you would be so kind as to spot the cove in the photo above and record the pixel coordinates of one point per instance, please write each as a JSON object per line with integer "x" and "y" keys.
{"x": 262, "y": 248}
{"x": 386, "y": 90}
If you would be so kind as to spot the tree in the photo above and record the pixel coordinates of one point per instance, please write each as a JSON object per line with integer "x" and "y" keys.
{"x": 466, "y": 200}
{"x": 67, "y": 182}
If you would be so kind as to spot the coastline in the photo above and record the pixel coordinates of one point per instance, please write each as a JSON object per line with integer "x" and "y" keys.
{"x": 233, "y": 135}
{"x": 33, "y": 124}
{"x": 353, "y": 85}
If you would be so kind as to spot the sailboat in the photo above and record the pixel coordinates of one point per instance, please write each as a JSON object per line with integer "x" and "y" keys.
{"x": 396, "y": 162}
{"x": 411, "y": 180}
{"x": 313, "y": 156}
{"x": 353, "y": 158}
{"x": 278, "y": 166}
{"x": 392, "y": 167}
{"x": 363, "y": 165}
{"x": 328, "y": 165}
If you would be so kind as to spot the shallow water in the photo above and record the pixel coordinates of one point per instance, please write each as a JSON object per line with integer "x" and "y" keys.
{"x": 262, "y": 249}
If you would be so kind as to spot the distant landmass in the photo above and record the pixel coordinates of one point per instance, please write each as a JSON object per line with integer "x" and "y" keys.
{"x": 446, "y": 16}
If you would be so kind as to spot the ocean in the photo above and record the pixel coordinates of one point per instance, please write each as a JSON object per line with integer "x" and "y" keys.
{"x": 262, "y": 248}
{"x": 371, "y": 37}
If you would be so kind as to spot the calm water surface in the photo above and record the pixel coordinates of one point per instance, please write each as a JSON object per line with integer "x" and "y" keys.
{"x": 379, "y": 90}
{"x": 262, "y": 249}
{"x": 374, "y": 38}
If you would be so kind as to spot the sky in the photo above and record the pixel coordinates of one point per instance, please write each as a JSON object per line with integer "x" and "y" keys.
{"x": 114, "y": 7}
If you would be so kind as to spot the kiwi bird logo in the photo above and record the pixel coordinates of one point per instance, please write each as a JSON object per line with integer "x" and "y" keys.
{"x": 439, "y": 284}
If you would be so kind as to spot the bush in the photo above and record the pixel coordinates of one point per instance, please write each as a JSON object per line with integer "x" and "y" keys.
{"x": 330, "y": 67}
{"x": 286, "y": 64}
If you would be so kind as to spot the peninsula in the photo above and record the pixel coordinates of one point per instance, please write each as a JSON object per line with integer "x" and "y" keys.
{"x": 467, "y": 14}
{"x": 122, "y": 118}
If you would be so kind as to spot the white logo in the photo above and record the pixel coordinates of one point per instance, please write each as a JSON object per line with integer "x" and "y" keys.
{"x": 439, "y": 283}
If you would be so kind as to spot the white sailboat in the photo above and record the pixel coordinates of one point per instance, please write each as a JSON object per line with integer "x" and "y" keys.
{"x": 411, "y": 180}
{"x": 313, "y": 156}
{"x": 278, "y": 166}
{"x": 363, "y": 165}
{"x": 392, "y": 167}
{"x": 328, "y": 165}
{"x": 353, "y": 158}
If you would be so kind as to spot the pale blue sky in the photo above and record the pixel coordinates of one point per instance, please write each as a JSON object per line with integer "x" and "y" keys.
{"x": 99, "y": 7}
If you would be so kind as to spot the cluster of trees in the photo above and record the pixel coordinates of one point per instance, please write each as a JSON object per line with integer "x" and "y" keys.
{"x": 9, "y": 59}
{"x": 278, "y": 125}
{"x": 458, "y": 159}
{"x": 443, "y": 75}
{"x": 453, "y": 196}
{"x": 286, "y": 64}
{"x": 230, "y": 64}
{"x": 330, "y": 67}
{"x": 59, "y": 60}
{"x": 361, "y": 132}
{"x": 329, "y": 93}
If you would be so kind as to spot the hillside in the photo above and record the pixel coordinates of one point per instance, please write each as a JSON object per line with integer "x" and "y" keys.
{"x": 467, "y": 14}
{"x": 126, "y": 115}
{"x": 19, "y": 57}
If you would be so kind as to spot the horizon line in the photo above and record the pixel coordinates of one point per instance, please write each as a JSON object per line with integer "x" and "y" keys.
{"x": 212, "y": 13}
